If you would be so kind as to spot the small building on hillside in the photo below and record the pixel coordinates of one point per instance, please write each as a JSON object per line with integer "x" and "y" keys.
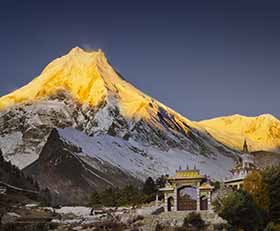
{"x": 187, "y": 190}
{"x": 241, "y": 170}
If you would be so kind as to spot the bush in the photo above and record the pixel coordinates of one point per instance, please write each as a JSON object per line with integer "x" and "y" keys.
{"x": 217, "y": 185}
{"x": 109, "y": 226}
{"x": 272, "y": 227}
{"x": 194, "y": 220}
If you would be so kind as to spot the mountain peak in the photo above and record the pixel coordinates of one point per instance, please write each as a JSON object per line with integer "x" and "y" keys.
{"x": 80, "y": 73}
{"x": 89, "y": 78}
{"x": 268, "y": 116}
{"x": 78, "y": 58}
{"x": 80, "y": 51}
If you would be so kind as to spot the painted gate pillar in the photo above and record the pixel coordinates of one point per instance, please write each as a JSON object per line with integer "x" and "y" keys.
{"x": 157, "y": 200}
{"x": 209, "y": 201}
{"x": 165, "y": 203}
{"x": 175, "y": 199}
{"x": 198, "y": 200}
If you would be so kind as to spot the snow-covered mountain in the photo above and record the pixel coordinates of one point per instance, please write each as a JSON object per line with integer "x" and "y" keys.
{"x": 262, "y": 133}
{"x": 109, "y": 121}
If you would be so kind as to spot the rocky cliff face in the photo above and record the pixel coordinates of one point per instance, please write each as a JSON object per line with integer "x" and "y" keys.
{"x": 62, "y": 170}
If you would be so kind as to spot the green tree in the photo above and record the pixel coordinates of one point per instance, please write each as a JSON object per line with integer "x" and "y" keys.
{"x": 109, "y": 197}
{"x": 46, "y": 197}
{"x": 149, "y": 189}
{"x": 254, "y": 184}
{"x": 240, "y": 210}
{"x": 271, "y": 177}
{"x": 160, "y": 182}
{"x": 95, "y": 199}
{"x": 130, "y": 195}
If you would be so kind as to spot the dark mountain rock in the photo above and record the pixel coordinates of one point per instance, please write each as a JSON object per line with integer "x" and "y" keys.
{"x": 71, "y": 180}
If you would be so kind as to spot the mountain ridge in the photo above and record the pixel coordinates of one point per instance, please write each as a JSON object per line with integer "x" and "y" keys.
{"x": 262, "y": 133}
{"x": 90, "y": 79}
{"x": 82, "y": 91}
{"x": 104, "y": 126}
{"x": 61, "y": 74}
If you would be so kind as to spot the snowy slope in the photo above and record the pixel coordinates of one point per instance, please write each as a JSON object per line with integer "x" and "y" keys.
{"x": 143, "y": 161}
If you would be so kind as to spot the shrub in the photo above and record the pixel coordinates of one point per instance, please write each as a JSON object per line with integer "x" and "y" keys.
{"x": 272, "y": 227}
{"x": 217, "y": 185}
{"x": 194, "y": 220}
{"x": 109, "y": 226}
{"x": 158, "y": 227}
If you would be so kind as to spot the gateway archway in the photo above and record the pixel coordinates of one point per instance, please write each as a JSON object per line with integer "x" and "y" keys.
{"x": 187, "y": 198}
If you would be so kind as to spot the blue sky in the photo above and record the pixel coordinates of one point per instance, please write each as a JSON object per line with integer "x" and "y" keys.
{"x": 202, "y": 58}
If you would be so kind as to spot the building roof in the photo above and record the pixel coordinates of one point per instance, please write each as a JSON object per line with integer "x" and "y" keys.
{"x": 187, "y": 174}
{"x": 234, "y": 179}
{"x": 206, "y": 186}
{"x": 166, "y": 189}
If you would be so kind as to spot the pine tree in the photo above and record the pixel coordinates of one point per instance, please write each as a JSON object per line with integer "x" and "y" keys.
{"x": 150, "y": 189}
{"x": 95, "y": 199}
{"x": 161, "y": 181}
{"x": 149, "y": 186}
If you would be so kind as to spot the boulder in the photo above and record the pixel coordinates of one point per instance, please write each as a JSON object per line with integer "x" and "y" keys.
{"x": 9, "y": 218}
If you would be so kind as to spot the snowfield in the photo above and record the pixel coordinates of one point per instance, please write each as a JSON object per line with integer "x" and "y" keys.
{"x": 143, "y": 161}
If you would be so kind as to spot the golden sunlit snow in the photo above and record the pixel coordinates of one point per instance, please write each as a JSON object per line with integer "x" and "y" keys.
{"x": 90, "y": 79}
{"x": 261, "y": 132}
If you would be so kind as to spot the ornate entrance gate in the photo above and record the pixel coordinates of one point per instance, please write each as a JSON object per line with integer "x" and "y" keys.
{"x": 187, "y": 198}
{"x": 187, "y": 190}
